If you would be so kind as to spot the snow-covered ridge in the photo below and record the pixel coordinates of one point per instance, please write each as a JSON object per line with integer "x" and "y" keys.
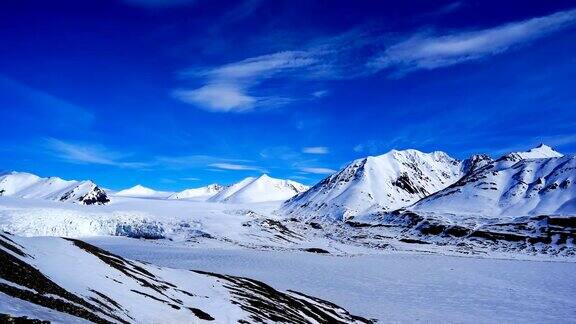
{"x": 517, "y": 184}
{"x": 27, "y": 185}
{"x": 68, "y": 280}
{"x": 263, "y": 188}
{"x": 199, "y": 194}
{"x": 389, "y": 181}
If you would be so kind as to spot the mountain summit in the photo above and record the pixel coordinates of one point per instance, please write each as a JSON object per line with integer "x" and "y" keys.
{"x": 389, "y": 181}
{"x": 263, "y": 188}
{"x": 141, "y": 191}
{"x": 539, "y": 152}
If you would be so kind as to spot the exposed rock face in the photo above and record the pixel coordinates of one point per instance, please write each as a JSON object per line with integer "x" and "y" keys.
{"x": 87, "y": 194}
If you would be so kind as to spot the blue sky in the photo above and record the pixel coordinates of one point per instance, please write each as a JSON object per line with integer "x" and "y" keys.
{"x": 182, "y": 93}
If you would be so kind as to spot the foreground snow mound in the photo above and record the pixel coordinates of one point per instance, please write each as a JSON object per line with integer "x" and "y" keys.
{"x": 261, "y": 189}
{"x": 198, "y": 194}
{"x": 389, "y": 181}
{"x": 141, "y": 191}
{"x": 516, "y": 184}
{"x": 67, "y": 279}
{"x": 27, "y": 185}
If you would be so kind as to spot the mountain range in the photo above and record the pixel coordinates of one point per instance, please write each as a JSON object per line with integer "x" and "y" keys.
{"x": 538, "y": 181}
{"x": 27, "y": 185}
{"x": 249, "y": 190}
{"x": 509, "y": 203}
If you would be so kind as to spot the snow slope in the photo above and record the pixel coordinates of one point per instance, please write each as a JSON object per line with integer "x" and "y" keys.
{"x": 27, "y": 185}
{"x": 75, "y": 279}
{"x": 261, "y": 189}
{"x": 393, "y": 288}
{"x": 141, "y": 191}
{"x": 199, "y": 194}
{"x": 539, "y": 181}
{"x": 386, "y": 182}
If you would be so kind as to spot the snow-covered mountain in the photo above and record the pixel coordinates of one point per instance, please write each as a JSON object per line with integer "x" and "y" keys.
{"x": 263, "y": 188}
{"x": 27, "y": 185}
{"x": 198, "y": 194}
{"x": 69, "y": 281}
{"x": 539, "y": 181}
{"x": 141, "y": 191}
{"x": 539, "y": 152}
{"x": 386, "y": 182}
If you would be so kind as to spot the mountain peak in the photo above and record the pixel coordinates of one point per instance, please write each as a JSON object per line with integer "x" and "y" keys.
{"x": 541, "y": 151}
{"x": 141, "y": 191}
{"x": 263, "y": 188}
{"x": 264, "y": 176}
{"x": 545, "y": 151}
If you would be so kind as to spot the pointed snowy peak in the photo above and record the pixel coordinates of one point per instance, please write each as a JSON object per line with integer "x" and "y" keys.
{"x": 87, "y": 193}
{"x": 199, "y": 194}
{"x": 388, "y": 181}
{"x": 541, "y": 151}
{"x": 263, "y": 188}
{"x": 141, "y": 191}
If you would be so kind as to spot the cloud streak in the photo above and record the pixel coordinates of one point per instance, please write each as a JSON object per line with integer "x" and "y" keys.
{"x": 152, "y": 4}
{"x": 88, "y": 154}
{"x": 239, "y": 86}
{"x": 316, "y": 150}
{"x": 232, "y": 87}
{"x": 318, "y": 170}
{"x": 234, "y": 167}
{"x": 428, "y": 51}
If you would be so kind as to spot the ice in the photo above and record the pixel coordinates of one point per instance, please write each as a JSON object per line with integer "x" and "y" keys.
{"x": 404, "y": 287}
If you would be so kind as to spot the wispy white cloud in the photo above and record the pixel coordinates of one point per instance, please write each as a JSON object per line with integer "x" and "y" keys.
{"x": 151, "y": 4}
{"x": 430, "y": 51}
{"x": 316, "y": 150}
{"x": 318, "y": 170}
{"x": 370, "y": 147}
{"x": 232, "y": 87}
{"x": 35, "y": 105}
{"x": 233, "y": 166}
{"x": 183, "y": 162}
{"x": 228, "y": 87}
{"x": 218, "y": 97}
{"x": 449, "y": 8}
{"x": 240, "y": 86}
{"x": 85, "y": 153}
{"x": 320, "y": 93}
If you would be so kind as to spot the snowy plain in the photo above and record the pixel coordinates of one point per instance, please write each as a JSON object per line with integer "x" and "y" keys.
{"x": 393, "y": 288}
